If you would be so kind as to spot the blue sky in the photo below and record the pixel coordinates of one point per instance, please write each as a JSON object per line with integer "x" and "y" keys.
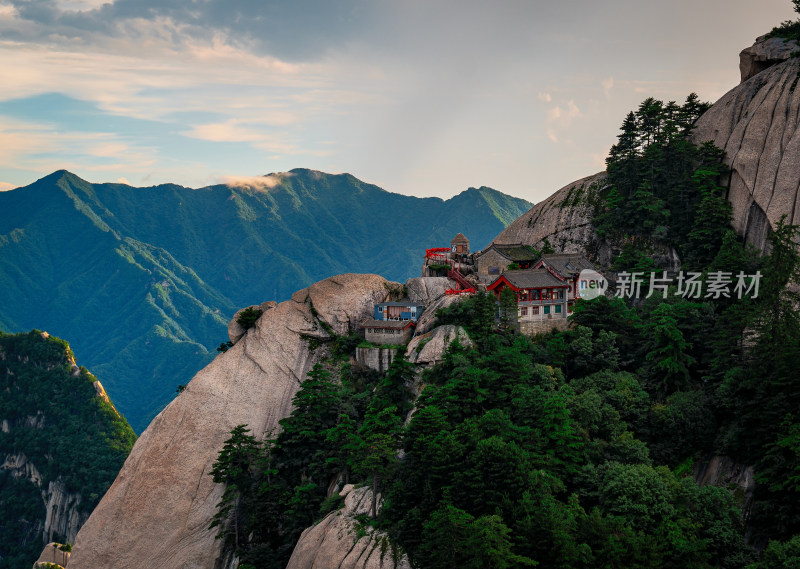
{"x": 423, "y": 98}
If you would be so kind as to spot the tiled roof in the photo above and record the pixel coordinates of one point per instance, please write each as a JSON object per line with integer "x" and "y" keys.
{"x": 533, "y": 278}
{"x": 567, "y": 265}
{"x": 387, "y": 324}
{"x": 418, "y": 304}
{"x": 459, "y": 237}
{"x": 515, "y": 252}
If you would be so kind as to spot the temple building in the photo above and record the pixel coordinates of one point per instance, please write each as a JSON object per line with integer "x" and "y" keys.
{"x": 545, "y": 293}
{"x": 495, "y": 259}
{"x": 398, "y": 332}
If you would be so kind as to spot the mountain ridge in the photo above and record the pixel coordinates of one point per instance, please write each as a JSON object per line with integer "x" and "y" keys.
{"x": 144, "y": 280}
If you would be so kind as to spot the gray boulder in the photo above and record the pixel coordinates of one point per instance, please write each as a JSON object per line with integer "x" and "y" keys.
{"x": 334, "y": 543}
{"x": 427, "y": 289}
{"x": 756, "y": 124}
{"x": 564, "y": 219}
{"x": 429, "y": 348}
{"x": 764, "y": 54}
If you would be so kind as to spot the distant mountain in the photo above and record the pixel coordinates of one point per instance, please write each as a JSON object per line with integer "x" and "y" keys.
{"x": 144, "y": 280}
{"x": 62, "y": 443}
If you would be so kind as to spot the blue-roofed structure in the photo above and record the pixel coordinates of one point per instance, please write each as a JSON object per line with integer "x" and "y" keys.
{"x": 399, "y": 311}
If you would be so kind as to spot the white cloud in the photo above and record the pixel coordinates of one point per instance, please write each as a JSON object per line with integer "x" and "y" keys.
{"x": 123, "y": 180}
{"x": 5, "y": 186}
{"x": 546, "y": 97}
{"x": 255, "y": 182}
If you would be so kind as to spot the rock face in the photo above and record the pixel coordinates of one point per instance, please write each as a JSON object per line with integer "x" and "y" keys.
{"x": 378, "y": 359}
{"x": 723, "y": 471}
{"x": 427, "y": 289}
{"x": 564, "y": 218}
{"x": 334, "y": 543}
{"x": 426, "y": 322}
{"x": 52, "y": 554}
{"x": 756, "y": 124}
{"x": 428, "y": 349}
{"x": 763, "y": 54}
{"x": 62, "y": 515}
{"x": 156, "y": 514}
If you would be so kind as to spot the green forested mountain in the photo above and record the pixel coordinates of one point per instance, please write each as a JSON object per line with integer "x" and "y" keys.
{"x": 574, "y": 448}
{"x": 144, "y": 280}
{"x": 62, "y": 442}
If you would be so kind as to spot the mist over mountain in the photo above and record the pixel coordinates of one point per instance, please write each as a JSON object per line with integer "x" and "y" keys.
{"x": 144, "y": 280}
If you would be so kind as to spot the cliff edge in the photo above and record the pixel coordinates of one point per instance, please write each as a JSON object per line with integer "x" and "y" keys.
{"x": 157, "y": 512}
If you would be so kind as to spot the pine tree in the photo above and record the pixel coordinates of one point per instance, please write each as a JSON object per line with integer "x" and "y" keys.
{"x": 235, "y": 467}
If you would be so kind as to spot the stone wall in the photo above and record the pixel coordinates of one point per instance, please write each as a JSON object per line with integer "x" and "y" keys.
{"x": 378, "y": 359}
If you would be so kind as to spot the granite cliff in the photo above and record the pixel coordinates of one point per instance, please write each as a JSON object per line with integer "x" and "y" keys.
{"x": 157, "y": 512}
{"x": 756, "y": 123}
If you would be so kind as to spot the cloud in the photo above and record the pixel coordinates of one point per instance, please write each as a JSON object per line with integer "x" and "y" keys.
{"x": 263, "y": 183}
{"x": 5, "y": 186}
{"x": 566, "y": 115}
{"x": 295, "y": 30}
{"x": 546, "y": 97}
{"x": 123, "y": 180}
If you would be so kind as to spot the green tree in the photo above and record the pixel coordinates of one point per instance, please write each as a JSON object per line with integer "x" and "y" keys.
{"x": 508, "y": 310}
{"x": 377, "y": 443}
{"x": 668, "y": 357}
{"x": 235, "y": 468}
{"x": 454, "y": 538}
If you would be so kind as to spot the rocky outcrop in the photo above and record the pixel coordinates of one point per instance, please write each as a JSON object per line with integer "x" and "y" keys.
{"x": 427, "y": 289}
{"x": 62, "y": 509}
{"x": 63, "y": 515}
{"x": 157, "y": 512}
{"x": 763, "y": 54}
{"x": 20, "y": 467}
{"x": 724, "y": 471}
{"x": 427, "y": 321}
{"x": 429, "y": 348}
{"x": 53, "y": 554}
{"x": 378, "y": 359}
{"x": 340, "y": 542}
{"x": 756, "y": 123}
{"x": 564, "y": 219}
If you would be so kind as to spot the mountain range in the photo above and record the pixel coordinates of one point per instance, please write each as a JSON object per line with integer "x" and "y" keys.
{"x": 144, "y": 280}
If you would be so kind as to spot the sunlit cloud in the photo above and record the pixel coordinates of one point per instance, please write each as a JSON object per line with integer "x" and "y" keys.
{"x": 5, "y": 186}
{"x": 255, "y": 182}
{"x": 545, "y": 97}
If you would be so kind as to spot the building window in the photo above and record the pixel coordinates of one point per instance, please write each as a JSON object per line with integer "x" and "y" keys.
{"x": 547, "y": 309}
{"x": 534, "y": 310}
{"x": 558, "y": 309}
{"x": 494, "y": 270}
{"x": 523, "y": 311}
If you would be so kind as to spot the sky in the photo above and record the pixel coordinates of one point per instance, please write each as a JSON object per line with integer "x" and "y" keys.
{"x": 421, "y": 97}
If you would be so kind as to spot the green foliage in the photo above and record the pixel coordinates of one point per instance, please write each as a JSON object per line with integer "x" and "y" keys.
{"x": 247, "y": 318}
{"x": 454, "y": 538}
{"x": 780, "y": 555}
{"x": 664, "y": 190}
{"x": 56, "y": 419}
{"x": 509, "y": 319}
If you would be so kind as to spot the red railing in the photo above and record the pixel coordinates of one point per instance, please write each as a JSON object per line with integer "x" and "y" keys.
{"x": 464, "y": 286}
{"x": 439, "y": 254}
